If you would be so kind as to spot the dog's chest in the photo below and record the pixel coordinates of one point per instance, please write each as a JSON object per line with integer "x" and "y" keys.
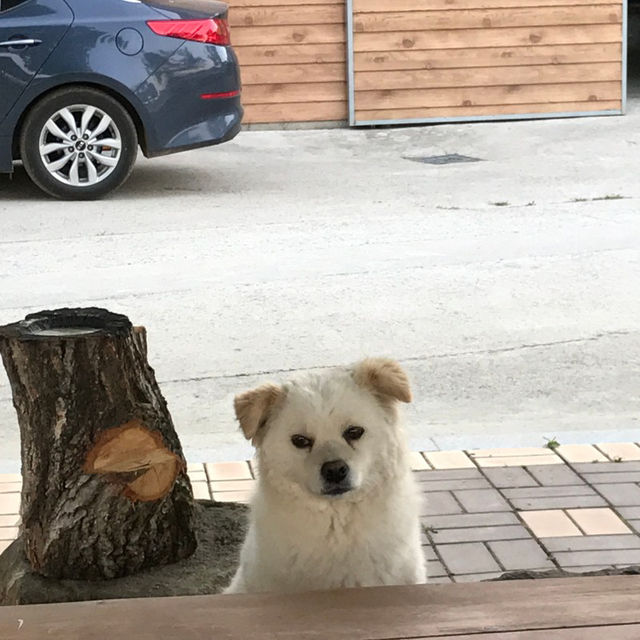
{"x": 342, "y": 550}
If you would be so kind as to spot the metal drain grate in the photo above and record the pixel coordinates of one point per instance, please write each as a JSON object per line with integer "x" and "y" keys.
{"x": 450, "y": 158}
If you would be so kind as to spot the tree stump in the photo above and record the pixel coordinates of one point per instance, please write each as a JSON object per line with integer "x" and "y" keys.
{"x": 105, "y": 491}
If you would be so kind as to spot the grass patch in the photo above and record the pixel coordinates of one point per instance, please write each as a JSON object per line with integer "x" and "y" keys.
{"x": 552, "y": 443}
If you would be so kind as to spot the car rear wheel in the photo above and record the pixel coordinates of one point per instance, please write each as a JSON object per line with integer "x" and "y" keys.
{"x": 78, "y": 144}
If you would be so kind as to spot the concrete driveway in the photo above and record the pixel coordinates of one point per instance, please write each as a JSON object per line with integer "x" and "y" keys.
{"x": 509, "y": 287}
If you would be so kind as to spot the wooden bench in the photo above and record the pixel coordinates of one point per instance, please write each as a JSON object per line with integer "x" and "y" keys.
{"x": 602, "y": 608}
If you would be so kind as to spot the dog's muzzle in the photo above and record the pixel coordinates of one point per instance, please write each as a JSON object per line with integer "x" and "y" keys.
{"x": 336, "y": 478}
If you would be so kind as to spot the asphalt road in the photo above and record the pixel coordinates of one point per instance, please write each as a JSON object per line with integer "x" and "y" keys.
{"x": 509, "y": 287}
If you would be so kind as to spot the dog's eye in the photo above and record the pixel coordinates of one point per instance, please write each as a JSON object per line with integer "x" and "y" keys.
{"x": 353, "y": 433}
{"x": 301, "y": 442}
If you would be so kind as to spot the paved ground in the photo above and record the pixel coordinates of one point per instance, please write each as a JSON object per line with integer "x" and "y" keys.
{"x": 508, "y": 286}
{"x": 485, "y": 511}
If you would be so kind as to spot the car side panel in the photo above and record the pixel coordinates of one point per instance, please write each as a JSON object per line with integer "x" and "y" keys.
{"x": 89, "y": 53}
{"x": 42, "y": 21}
{"x": 172, "y": 97}
{"x": 189, "y": 8}
{"x": 163, "y": 81}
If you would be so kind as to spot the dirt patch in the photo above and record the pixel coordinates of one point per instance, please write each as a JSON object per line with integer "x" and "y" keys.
{"x": 560, "y": 573}
{"x": 220, "y": 529}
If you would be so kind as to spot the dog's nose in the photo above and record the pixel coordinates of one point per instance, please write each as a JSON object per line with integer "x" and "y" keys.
{"x": 334, "y": 471}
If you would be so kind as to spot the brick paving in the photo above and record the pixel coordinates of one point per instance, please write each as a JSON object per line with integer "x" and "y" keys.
{"x": 485, "y": 512}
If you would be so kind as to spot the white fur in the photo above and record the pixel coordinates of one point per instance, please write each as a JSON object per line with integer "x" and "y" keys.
{"x": 299, "y": 539}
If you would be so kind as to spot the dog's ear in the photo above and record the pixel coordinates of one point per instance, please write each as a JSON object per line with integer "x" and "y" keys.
{"x": 253, "y": 407}
{"x": 384, "y": 377}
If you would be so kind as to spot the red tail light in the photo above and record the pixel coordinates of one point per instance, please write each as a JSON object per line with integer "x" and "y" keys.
{"x": 210, "y": 30}
{"x": 224, "y": 94}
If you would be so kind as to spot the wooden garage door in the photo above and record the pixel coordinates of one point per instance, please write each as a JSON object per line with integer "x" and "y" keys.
{"x": 441, "y": 60}
{"x": 293, "y": 59}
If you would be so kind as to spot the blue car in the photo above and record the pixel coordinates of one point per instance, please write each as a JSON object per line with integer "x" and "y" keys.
{"x": 83, "y": 83}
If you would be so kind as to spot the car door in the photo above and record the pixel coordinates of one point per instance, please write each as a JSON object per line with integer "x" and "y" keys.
{"x": 29, "y": 31}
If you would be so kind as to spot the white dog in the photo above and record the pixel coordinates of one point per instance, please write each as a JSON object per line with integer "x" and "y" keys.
{"x": 336, "y": 504}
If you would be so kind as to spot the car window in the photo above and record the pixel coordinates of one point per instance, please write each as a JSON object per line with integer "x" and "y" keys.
{"x": 5, "y": 5}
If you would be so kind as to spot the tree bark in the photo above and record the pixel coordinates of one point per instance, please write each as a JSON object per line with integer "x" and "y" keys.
{"x": 105, "y": 491}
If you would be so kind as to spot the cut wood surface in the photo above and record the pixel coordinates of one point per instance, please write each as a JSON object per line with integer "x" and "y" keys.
{"x": 568, "y": 609}
{"x": 132, "y": 449}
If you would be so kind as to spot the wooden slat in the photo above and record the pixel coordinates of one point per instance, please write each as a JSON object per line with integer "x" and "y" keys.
{"x": 487, "y": 56}
{"x": 296, "y": 112}
{"x": 423, "y": 611}
{"x": 470, "y": 38}
{"x": 293, "y": 59}
{"x": 291, "y": 54}
{"x": 486, "y": 110}
{"x": 488, "y": 76}
{"x": 300, "y": 14}
{"x": 309, "y": 92}
{"x": 509, "y": 94}
{"x": 284, "y": 73}
{"x": 462, "y": 58}
{"x": 280, "y": 3}
{"x": 383, "y": 6}
{"x": 617, "y": 632}
{"x": 486, "y": 18}
{"x": 322, "y": 34}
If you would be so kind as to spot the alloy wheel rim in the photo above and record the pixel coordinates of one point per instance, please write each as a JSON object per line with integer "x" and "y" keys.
{"x": 80, "y": 145}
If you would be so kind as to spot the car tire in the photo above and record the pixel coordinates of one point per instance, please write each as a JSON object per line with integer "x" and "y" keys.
{"x": 99, "y": 154}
